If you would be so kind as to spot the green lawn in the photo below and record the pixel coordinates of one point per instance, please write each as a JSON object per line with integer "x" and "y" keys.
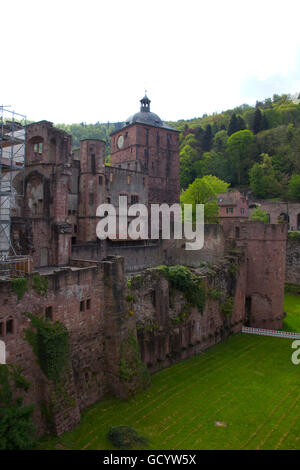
{"x": 247, "y": 382}
{"x": 292, "y": 309}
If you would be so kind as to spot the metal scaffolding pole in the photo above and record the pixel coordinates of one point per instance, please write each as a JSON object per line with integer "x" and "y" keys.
{"x": 12, "y": 164}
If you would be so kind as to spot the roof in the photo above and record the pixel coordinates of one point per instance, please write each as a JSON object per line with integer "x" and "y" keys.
{"x": 229, "y": 199}
{"x": 145, "y": 116}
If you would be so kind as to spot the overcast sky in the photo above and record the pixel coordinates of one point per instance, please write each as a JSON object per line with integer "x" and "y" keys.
{"x": 73, "y": 61}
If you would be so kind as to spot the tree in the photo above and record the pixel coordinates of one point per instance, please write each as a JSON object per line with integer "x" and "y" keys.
{"x": 240, "y": 124}
{"x": 207, "y": 139}
{"x": 258, "y": 121}
{"x": 236, "y": 124}
{"x": 262, "y": 179}
{"x": 259, "y": 215}
{"x": 233, "y": 125}
{"x": 239, "y": 147}
{"x": 204, "y": 191}
{"x": 220, "y": 141}
{"x": 188, "y": 156}
{"x": 294, "y": 187}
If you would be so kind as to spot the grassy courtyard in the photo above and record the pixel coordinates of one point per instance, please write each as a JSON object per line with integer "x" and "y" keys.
{"x": 248, "y": 383}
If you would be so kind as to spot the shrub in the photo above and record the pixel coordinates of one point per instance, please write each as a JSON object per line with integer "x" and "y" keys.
{"x": 259, "y": 215}
{"x": 17, "y": 431}
{"x": 292, "y": 288}
{"x": 227, "y": 306}
{"x": 19, "y": 286}
{"x": 40, "y": 284}
{"x": 125, "y": 437}
{"x": 192, "y": 286}
{"x": 294, "y": 235}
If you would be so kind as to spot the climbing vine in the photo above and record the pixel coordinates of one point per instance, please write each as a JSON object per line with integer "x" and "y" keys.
{"x": 227, "y": 306}
{"x": 17, "y": 431}
{"x": 133, "y": 371}
{"x": 50, "y": 343}
{"x": 40, "y": 284}
{"x": 19, "y": 286}
{"x": 191, "y": 285}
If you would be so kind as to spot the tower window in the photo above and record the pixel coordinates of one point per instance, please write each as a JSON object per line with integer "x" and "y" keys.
{"x": 82, "y": 306}
{"x": 48, "y": 313}
{"x": 1, "y": 329}
{"x": 9, "y": 327}
{"x": 93, "y": 163}
{"x": 134, "y": 199}
{"x": 88, "y": 304}
{"x": 111, "y": 177}
{"x": 38, "y": 148}
{"x": 91, "y": 198}
{"x": 100, "y": 180}
{"x": 128, "y": 179}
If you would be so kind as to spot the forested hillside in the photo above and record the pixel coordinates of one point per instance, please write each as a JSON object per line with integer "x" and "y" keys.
{"x": 89, "y": 131}
{"x": 247, "y": 146}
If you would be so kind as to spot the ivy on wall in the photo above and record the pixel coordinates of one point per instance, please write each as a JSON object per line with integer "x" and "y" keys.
{"x": 191, "y": 285}
{"x": 50, "y": 343}
{"x": 227, "y": 306}
{"x": 19, "y": 286}
{"x": 39, "y": 284}
{"x": 133, "y": 371}
{"x": 17, "y": 431}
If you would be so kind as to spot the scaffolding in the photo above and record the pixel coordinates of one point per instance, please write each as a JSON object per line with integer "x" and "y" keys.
{"x": 12, "y": 163}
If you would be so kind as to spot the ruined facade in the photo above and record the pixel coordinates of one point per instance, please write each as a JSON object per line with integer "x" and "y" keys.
{"x": 55, "y": 226}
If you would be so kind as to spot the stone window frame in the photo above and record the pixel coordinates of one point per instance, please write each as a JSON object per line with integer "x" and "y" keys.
{"x": 49, "y": 312}
{"x": 135, "y": 196}
{"x": 11, "y": 321}
{"x": 38, "y": 148}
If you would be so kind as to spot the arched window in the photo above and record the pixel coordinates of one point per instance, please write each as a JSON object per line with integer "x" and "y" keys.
{"x": 283, "y": 218}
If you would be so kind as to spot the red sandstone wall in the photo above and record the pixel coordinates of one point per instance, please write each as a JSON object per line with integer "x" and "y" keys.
{"x": 157, "y": 149}
{"x": 265, "y": 246}
{"x": 164, "y": 341}
{"x": 66, "y": 289}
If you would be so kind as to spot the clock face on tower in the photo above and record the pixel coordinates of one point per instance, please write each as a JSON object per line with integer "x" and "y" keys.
{"x": 120, "y": 142}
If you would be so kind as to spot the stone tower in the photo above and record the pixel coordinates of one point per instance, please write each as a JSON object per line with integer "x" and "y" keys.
{"x": 153, "y": 145}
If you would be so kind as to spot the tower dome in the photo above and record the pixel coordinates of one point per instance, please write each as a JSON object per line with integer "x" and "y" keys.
{"x": 145, "y": 116}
